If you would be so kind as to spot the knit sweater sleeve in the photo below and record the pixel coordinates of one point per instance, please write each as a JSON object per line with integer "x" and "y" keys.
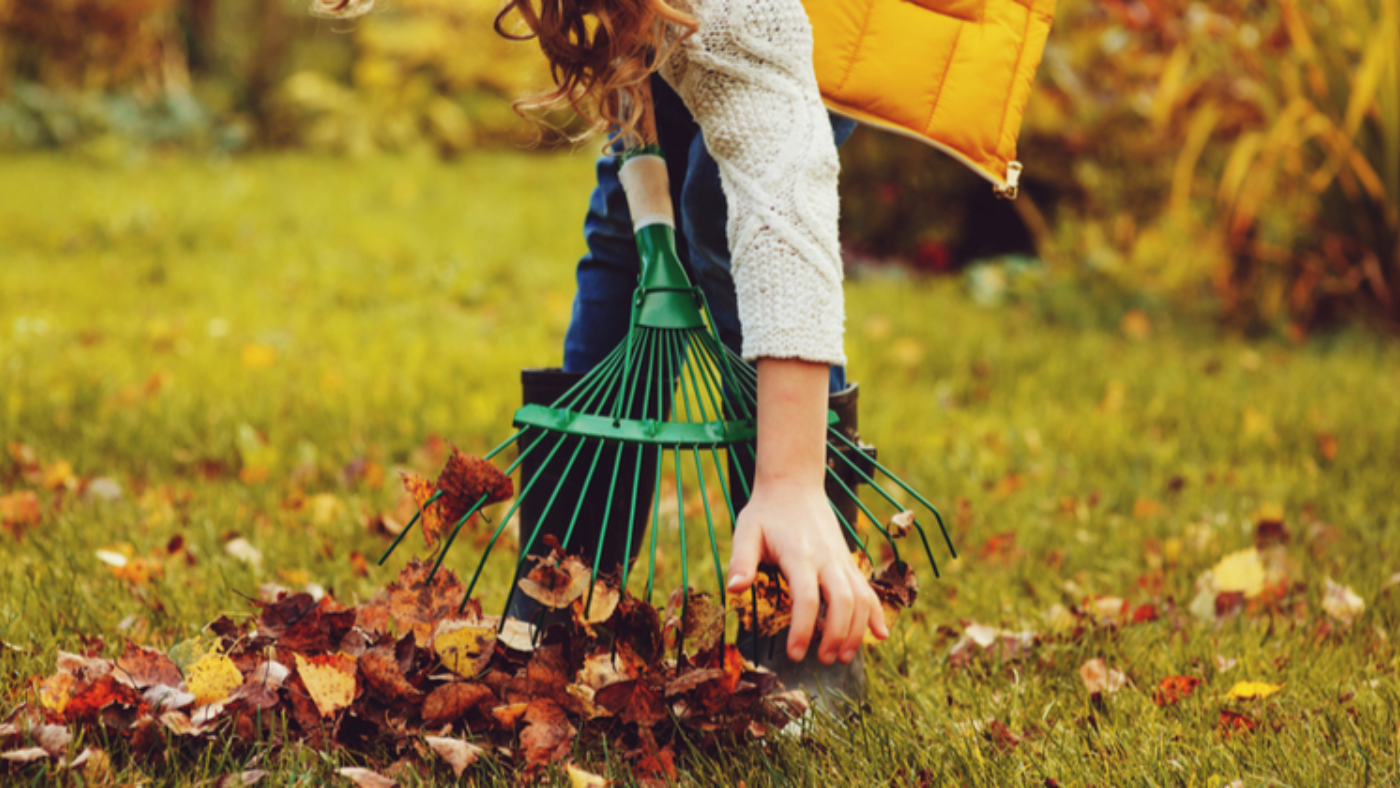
{"x": 747, "y": 77}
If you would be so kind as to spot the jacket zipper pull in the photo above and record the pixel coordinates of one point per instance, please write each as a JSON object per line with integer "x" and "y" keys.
{"x": 1013, "y": 182}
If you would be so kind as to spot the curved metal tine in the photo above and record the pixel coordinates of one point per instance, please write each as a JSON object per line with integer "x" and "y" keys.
{"x": 928, "y": 551}
{"x": 637, "y": 474}
{"x": 401, "y": 534}
{"x": 506, "y": 519}
{"x": 709, "y": 522}
{"x": 655, "y": 523}
{"x": 751, "y": 449}
{"x": 697, "y": 358}
{"x": 720, "y": 376}
{"x": 685, "y": 564}
{"x": 589, "y": 384}
{"x": 831, "y": 472}
{"x": 419, "y": 514}
{"x": 680, "y": 351}
{"x": 603, "y": 532}
{"x": 578, "y": 505}
{"x": 544, "y": 515}
{"x": 905, "y": 487}
{"x": 452, "y": 537}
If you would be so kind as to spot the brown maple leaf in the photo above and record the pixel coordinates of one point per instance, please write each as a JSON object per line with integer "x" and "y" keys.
{"x": 632, "y": 701}
{"x": 547, "y": 737}
{"x": 451, "y": 702}
{"x": 412, "y": 604}
{"x": 556, "y": 581}
{"x": 144, "y": 667}
{"x": 380, "y": 667}
{"x": 774, "y": 602}
{"x": 463, "y": 482}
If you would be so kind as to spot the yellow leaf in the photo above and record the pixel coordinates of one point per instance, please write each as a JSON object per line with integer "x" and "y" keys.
{"x": 1246, "y": 690}
{"x": 56, "y": 691}
{"x": 257, "y": 356}
{"x": 330, "y": 688}
{"x": 464, "y": 649}
{"x": 1240, "y": 571}
{"x": 59, "y": 474}
{"x": 578, "y": 778}
{"x": 212, "y": 678}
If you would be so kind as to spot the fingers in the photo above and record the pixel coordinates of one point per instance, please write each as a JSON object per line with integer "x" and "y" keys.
{"x": 806, "y": 599}
{"x": 867, "y": 615}
{"x": 744, "y": 558}
{"x": 841, "y": 608}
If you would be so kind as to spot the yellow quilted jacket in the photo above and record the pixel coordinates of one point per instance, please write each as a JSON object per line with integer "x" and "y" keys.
{"x": 953, "y": 73}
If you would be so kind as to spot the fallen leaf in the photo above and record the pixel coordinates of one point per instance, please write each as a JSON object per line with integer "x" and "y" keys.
{"x": 1174, "y": 689}
{"x": 52, "y": 739}
{"x": 19, "y": 511}
{"x": 451, "y": 702}
{"x": 579, "y": 778}
{"x": 330, "y": 684}
{"x": 556, "y": 585}
{"x": 1248, "y": 690}
{"x": 465, "y": 648}
{"x": 1240, "y": 571}
{"x": 365, "y": 778}
{"x": 1101, "y": 679}
{"x": 458, "y": 753}
{"x": 774, "y": 603}
{"x": 517, "y": 635}
{"x": 632, "y": 701}
{"x": 548, "y": 736}
{"x": 244, "y": 551}
{"x": 1327, "y": 446}
{"x": 1224, "y": 664}
{"x": 412, "y": 603}
{"x": 141, "y": 667}
{"x": 1341, "y": 603}
{"x": 26, "y": 755}
{"x": 212, "y": 678}
{"x": 380, "y": 667}
{"x": 900, "y": 525}
{"x": 509, "y": 714}
{"x": 244, "y": 778}
{"x": 1232, "y": 722}
{"x": 599, "y": 607}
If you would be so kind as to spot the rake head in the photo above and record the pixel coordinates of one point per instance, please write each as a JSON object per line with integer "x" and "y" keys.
{"x": 671, "y": 387}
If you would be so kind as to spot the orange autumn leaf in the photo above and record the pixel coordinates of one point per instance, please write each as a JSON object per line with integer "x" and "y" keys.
{"x": 1174, "y": 689}
{"x": 430, "y": 516}
{"x": 330, "y": 681}
{"x": 19, "y": 511}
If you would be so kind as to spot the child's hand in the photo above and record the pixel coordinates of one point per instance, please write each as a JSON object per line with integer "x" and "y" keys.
{"x": 791, "y": 524}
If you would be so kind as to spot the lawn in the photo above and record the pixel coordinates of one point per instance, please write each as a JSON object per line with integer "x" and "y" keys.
{"x": 249, "y": 349}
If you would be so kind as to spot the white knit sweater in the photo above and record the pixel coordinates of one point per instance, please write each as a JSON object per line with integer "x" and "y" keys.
{"x": 747, "y": 77}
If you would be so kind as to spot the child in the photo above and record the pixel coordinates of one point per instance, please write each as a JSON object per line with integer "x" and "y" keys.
{"x": 750, "y": 147}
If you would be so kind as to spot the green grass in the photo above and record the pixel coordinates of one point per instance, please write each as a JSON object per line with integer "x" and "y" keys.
{"x": 400, "y": 299}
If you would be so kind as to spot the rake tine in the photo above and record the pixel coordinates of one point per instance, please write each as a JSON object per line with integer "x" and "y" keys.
{"x": 452, "y": 537}
{"x": 590, "y": 382}
{"x": 525, "y": 549}
{"x": 753, "y": 587}
{"x": 631, "y": 520}
{"x": 685, "y": 565}
{"x": 907, "y": 489}
{"x": 603, "y": 533}
{"x": 709, "y": 522}
{"x": 655, "y": 523}
{"x": 409, "y": 527}
{"x": 436, "y": 495}
{"x": 578, "y": 507}
{"x": 897, "y": 505}
{"x": 506, "y": 520}
{"x": 846, "y": 489}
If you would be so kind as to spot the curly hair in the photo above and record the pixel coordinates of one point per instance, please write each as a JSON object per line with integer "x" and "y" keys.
{"x": 601, "y": 53}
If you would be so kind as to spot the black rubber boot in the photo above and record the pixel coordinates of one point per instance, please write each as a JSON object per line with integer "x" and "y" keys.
{"x": 828, "y": 686}
{"x": 544, "y": 387}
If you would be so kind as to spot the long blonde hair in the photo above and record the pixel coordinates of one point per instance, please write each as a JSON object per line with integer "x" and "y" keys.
{"x": 601, "y": 52}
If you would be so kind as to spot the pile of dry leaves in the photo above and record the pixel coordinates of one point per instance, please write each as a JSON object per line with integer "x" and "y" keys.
{"x": 420, "y": 672}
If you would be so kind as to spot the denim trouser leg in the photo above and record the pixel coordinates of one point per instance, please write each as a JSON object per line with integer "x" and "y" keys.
{"x": 607, "y": 273}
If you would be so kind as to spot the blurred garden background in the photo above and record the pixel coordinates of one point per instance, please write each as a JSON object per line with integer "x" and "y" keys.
{"x": 253, "y": 264}
{"x": 1237, "y": 160}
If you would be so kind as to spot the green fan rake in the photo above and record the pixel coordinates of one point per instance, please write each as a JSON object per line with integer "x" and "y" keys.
{"x": 670, "y": 387}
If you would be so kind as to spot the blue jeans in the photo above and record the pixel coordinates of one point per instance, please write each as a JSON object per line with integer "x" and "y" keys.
{"x": 607, "y": 273}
